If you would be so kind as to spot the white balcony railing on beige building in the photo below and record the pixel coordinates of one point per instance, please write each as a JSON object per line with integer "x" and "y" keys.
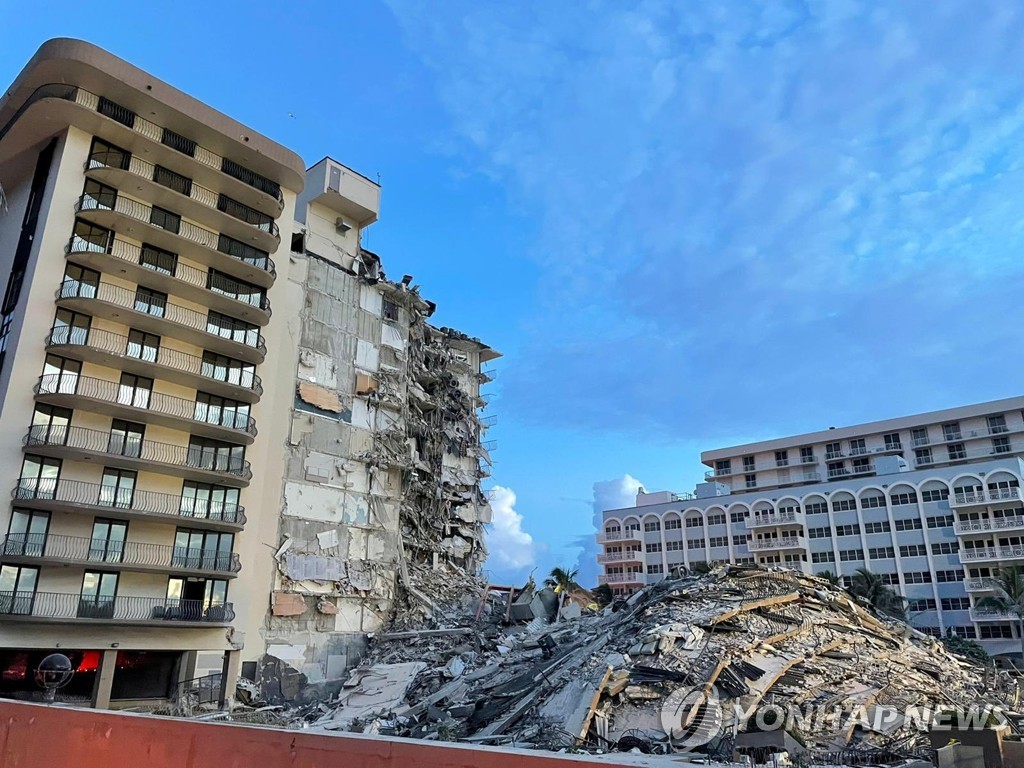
{"x": 775, "y": 518}
{"x": 621, "y": 578}
{"x": 621, "y": 557}
{"x": 788, "y": 542}
{"x": 632, "y": 535}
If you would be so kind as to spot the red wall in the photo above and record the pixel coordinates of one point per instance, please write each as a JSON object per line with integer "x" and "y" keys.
{"x": 37, "y": 736}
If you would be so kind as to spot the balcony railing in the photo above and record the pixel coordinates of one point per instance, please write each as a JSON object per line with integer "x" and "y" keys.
{"x": 144, "y": 401}
{"x": 983, "y": 584}
{"x": 77, "y": 493}
{"x": 789, "y": 542}
{"x": 142, "y": 450}
{"x": 197, "y": 278}
{"x": 193, "y": 233}
{"x": 121, "y": 610}
{"x": 920, "y": 441}
{"x": 106, "y": 552}
{"x": 619, "y": 557}
{"x": 164, "y": 357}
{"x": 992, "y": 614}
{"x": 991, "y": 553}
{"x": 620, "y": 578}
{"x": 994, "y": 524}
{"x": 237, "y": 332}
{"x": 631, "y": 535}
{"x": 779, "y": 518}
{"x": 990, "y": 496}
{"x": 185, "y": 186}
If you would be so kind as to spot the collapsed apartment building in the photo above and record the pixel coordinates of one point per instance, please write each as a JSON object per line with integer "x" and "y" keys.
{"x": 385, "y": 452}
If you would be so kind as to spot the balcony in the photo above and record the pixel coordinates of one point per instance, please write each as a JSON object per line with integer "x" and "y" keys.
{"x": 227, "y": 296}
{"x": 631, "y": 535}
{"x": 112, "y": 350}
{"x": 60, "y": 608}
{"x": 808, "y": 460}
{"x": 991, "y": 554}
{"x": 1008, "y": 451}
{"x": 788, "y": 542}
{"x": 988, "y": 497}
{"x": 634, "y": 555}
{"x": 141, "y": 455}
{"x": 983, "y": 584}
{"x": 92, "y": 499}
{"x": 111, "y": 399}
{"x": 717, "y": 474}
{"x": 162, "y": 318}
{"x": 858, "y": 451}
{"x": 774, "y": 519}
{"x": 127, "y": 216}
{"x": 992, "y": 614}
{"x": 968, "y": 527}
{"x": 621, "y": 578}
{"x": 31, "y": 548}
{"x": 919, "y": 442}
{"x": 99, "y": 116}
{"x": 178, "y": 192}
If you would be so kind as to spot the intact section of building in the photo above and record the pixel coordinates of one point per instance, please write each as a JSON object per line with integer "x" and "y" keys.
{"x": 931, "y": 502}
{"x": 224, "y": 428}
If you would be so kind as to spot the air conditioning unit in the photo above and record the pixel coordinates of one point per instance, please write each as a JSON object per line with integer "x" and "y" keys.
{"x": 341, "y": 227}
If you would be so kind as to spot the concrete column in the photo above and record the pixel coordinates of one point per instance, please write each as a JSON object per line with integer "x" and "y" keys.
{"x": 228, "y": 677}
{"x": 104, "y": 680}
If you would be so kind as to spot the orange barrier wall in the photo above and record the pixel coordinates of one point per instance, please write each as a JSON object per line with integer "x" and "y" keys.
{"x": 37, "y": 736}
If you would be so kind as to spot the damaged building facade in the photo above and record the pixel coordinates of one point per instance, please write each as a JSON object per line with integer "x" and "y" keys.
{"x": 223, "y": 427}
{"x": 931, "y": 502}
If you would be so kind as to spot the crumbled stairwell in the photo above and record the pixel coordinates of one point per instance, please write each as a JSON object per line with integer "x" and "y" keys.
{"x": 383, "y": 462}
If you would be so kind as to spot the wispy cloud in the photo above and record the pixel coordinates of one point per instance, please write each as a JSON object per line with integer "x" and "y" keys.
{"x": 809, "y": 204}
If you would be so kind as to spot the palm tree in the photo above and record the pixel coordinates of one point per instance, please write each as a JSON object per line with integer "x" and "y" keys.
{"x": 603, "y": 595}
{"x": 562, "y": 579}
{"x": 1009, "y": 597}
{"x": 879, "y": 595}
{"x": 828, "y": 576}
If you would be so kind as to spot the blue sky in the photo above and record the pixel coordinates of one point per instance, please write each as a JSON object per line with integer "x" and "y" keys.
{"x": 685, "y": 224}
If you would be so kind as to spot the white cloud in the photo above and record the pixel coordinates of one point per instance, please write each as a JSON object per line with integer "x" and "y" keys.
{"x": 608, "y": 494}
{"x": 511, "y": 550}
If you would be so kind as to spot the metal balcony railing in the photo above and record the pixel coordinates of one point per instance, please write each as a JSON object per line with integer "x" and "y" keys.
{"x": 982, "y": 584}
{"x": 76, "y": 492}
{"x": 232, "y": 330}
{"x": 630, "y": 535}
{"x": 74, "y": 549}
{"x": 775, "y": 518}
{"x": 995, "y": 524}
{"x": 185, "y": 186}
{"x": 144, "y": 400}
{"x": 99, "y": 442}
{"x": 992, "y": 553}
{"x": 117, "y": 609}
{"x": 618, "y": 557}
{"x": 992, "y": 614}
{"x": 989, "y": 496}
{"x": 116, "y": 344}
{"x": 789, "y": 542}
{"x": 620, "y": 578}
{"x": 220, "y": 283}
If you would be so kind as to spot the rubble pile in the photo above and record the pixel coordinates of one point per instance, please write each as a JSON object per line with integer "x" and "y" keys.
{"x": 673, "y": 658}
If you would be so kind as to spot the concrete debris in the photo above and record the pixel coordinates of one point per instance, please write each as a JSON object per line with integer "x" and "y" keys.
{"x": 648, "y": 674}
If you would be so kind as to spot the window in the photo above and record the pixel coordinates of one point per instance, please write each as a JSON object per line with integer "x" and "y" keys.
{"x": 723, "y": 467}
{"x": 807, "y": 455}
{"x": 922, "y": 604}
{"x": 881, "y": 553}
{"x": 656, "y": 547}
{"x": 848, "y": 530}
{"x": 833, "y": 450}
{"x": 150, "y": 302}
{"x": 659, "y": 568}
{"x": 941, "y": 521}
{"x": 168, "y": 178}
{"x": 872, "y": 502}
{"x": 945, "y": 577}
{"x": 229, "y": 328}
{"x": 837, "y": 469}
{"x": 923, "y": 456}
{"x": 858, "y": 447}
{"x": 919, "y": 436}
{"x": 892, "y": 442}
{"x": 956, "y": 603}
{"x": 96, "y": 196}
{"x": 903, "y": 498}
{"x": 102, "y": 154}
{"x": 237, "y": 289}
{"x": 695, "y": 544}
{"x": 673, "y": 523}
{"x": 938, "y": 494}
{"x": 60, "y": 375}
{"x": 693, "y": 522}
{"x": 823, "y": 557}
{"x": 204, "y": 453}
{"x": 917, "y": 577}
{"x": 965, "y": 632}
{"x": 213, "y": 409}
{"x": 653, "y": 525}
{"x": 222, "y": 368}
{"x": 945, "y": 548}
{"x": 951, "y": 431}
{"x": 134, "y": 390}
{"x": 126, "y": 438}
{"x": 243, "y": 252}
{"x": 738, "y": 517}
{"x": 890, "y": 578}
{"x": 161, "y": 217}
{"x": 26, "y": 535}
{"x": 718, "y": 541}
{"x": 91, "y": 238}
{"x": 673, "y": 546}
{"x": 158, "y": 259}
{"x": 782, "y": 458}
{"x": 846, "y": 555}
{"x": 819, "y": 533}
{"x": 1000, "y": 445}
{"x": 913, "y": 550}
{"x": 17, "y": 589}
{"x": 50, "y": 425}
{"x": 718, "y": 519}
{"x": 748, "y": 463}
{"x": 117, "y": 488}
{"x": 816, "y": 508}
{"x": 390, "y": 310}
{"x": 750, "y": 481}
{"x": 79, "y": 281}
{"x": 196, "y": 549}
{"x": 39, "y": 477}
{"x": 740, "y": 538}
{"x": 995, "y": 632}
{"x": 879, "y": 527}
{"x": 99, "y": 591}
{"x": 840, "y": 505}
{"x": 108, "y": 537}
{"x": 143, "y": 346}
{"x": 861, "y": 466}
{"x": 913, "y": 524}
